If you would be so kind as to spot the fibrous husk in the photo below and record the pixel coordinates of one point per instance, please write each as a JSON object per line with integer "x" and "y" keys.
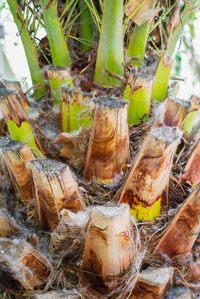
{"x": 69, "y": 235}
{"x": 68, "y": 294}
{"x": 24, "y": 263}
{"x": 8, "y": 226}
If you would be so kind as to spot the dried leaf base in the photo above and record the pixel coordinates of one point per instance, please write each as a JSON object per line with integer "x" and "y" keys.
{"x": 56, "y": 189}
{"x": 109, "y": 249}
{"x": 146, "y": 189}
{"x": 153, "y": 283}
{"x": 26, "y": 264}
{"x": 17, "y": 155}
{"x": 182, "y": 231}
{"x": 108, "y": 150}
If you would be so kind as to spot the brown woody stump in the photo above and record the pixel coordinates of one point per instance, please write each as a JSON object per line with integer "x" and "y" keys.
{"x": 191, "y": 174}
{"x": 172, "y": 112}
{"x": 69, "y": 234}
{"x": 183, "y": 230}
{"x": 16, "y": 118}
{"x": 24, "y": 263}
{"x": 8, "y": 226}
{"x": 146, "y": 189}
{"x": 109, "y": 249}
{"x": 56, "y": 189}
{"x": 16, "y": 85}
{"x": 17, "y": 155}
{"x": 108, "y": 150}
{"x": 153, "y": 283}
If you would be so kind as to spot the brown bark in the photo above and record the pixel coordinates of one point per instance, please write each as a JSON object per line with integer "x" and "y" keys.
{"x": 17, "y": 155}
{"x": 109, "y": 249}
{"x": 148, "y": 180}
{"x": 183, "y": 230}
{"x": 153, "y": 283}
{"x": 172, "y": 113}
{"x": 108, "y": 150}
{"x": 25, "y": 264}
{"x": 191, "y": 173}
{"x": 55, "y": 189}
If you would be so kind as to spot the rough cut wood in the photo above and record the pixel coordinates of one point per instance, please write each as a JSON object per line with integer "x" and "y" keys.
{"x": 24, "y": 263}
{"x": 8, "y": 226}
{"x": 16, "y": 85}
{"x": 191, "y": 174}
{"x": 54, "y": 77}
{"x": 172, "y": 112}
{"x": 17, "y": 120}
{"x": 146, "y": 189}
{"x": 109, "y": 249}
{"x": 55, "y": 72}
{"x": 56, "y": 189}
{"x": 184, "y": 228}
{"x": 108, "y": 150}
{"x": 153, "y": 283}
{"x": 17, "y": 155}
{"x": 68, "y": 294}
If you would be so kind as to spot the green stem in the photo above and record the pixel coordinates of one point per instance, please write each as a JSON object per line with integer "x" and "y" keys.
{"x": 73, "y": 110}
{"x": 137, "y": 43}
{"x": 174, "y": 37}
{"x": 86, "y": 29}
{"x": 58, "y": 45}
{"x": 138, "y": 93}
{"x": 110, "y": 54}
{"x": 163, "y": 71}
{"x": 162, "y": 75}
{"x": 29, "y": 48}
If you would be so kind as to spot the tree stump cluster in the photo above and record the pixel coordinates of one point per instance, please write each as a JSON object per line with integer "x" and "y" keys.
{"x": 107, "y": 229}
